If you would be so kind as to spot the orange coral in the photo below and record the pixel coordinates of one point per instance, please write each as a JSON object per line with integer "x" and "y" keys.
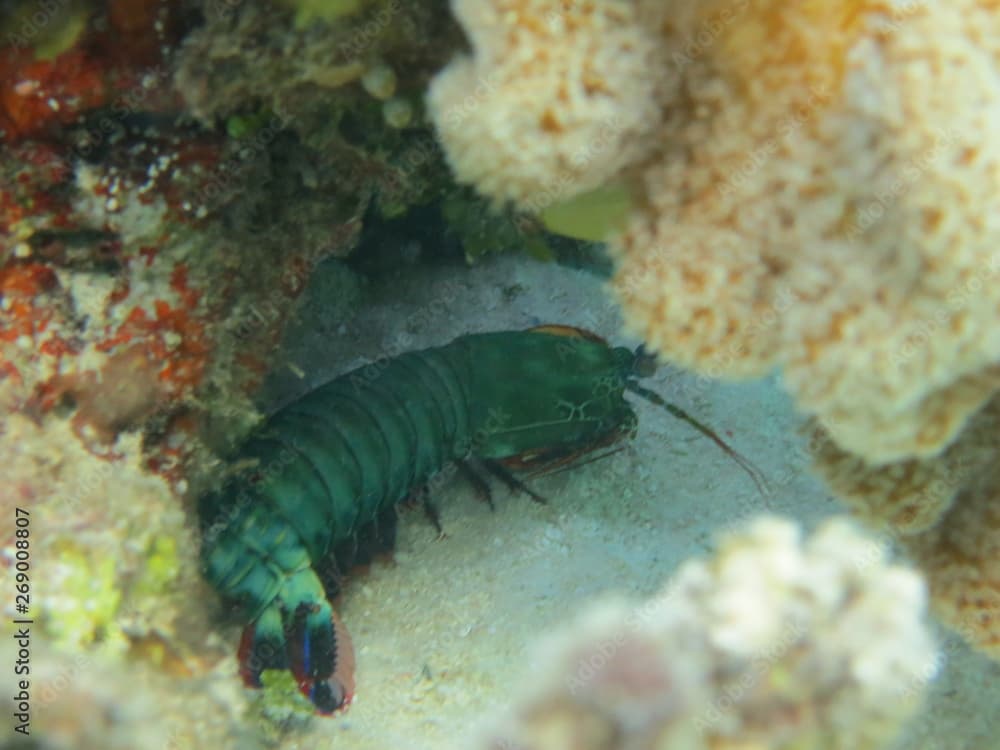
{"x": 108, "y": 57}
{"x": 174, "y": 338}
{"x": 40, "y": 92}
{"x": 121, "y": 396}
{"x": 115, "y": 382}
{"x": 21, "y": 290}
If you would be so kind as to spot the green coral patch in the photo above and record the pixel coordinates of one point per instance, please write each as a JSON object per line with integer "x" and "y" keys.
{"x": 591, "y": 216}
{"x": 486, "y": 231}
{"x": 307, "y": 11}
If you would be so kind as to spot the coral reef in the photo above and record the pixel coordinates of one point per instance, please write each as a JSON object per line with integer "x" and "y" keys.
{"x": 91, "y": 600}
{"x": 153, "y": 246}
{"x": 554, "y": 99}
{"x": 111, "y": 223}
{"x": 944, "y": 512}
{"x": 104, "y": 275}
{"x": 775, "y": 642}
{"x": 138, "y": 250}
{"x": 246, "y": 54}
{"x": 483, "y": 232}
{"x": 910, "y": 496}
{"x": 350, "y": 90}
{"x": 172, "y": 173}
{"x": 59, "y": 61}
{"x": 818, "y": 202}
{"x": 962, "y": 558}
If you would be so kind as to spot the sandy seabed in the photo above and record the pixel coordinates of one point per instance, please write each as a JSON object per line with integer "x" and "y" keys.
{"x": 444, "y": 635}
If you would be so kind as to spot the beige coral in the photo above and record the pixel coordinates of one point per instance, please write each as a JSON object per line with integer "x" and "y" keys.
{"x": 776, "y": 642}
{"x": 818, "y": 195}
{"x": 851, "y": 161}
{"x": 910, "y": 496}
{"x": 555, "y": 99}
{"x": 962, "y": 558}
{"x": 945, "y": 510}
{"x": 704, "y": 287}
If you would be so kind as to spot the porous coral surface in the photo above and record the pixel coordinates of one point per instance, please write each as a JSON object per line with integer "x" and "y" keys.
{"x": 554, "y": 99}
{"x": 837, "y": 178}
{"x": 910, "y": 496}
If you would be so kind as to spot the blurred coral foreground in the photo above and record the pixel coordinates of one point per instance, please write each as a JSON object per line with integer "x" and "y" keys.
{"x": 810, "y": 187}
{"x": 775, "y": 642}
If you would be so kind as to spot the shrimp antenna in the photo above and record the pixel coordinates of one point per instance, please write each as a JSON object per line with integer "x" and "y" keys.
{"x": 755, "y": 474}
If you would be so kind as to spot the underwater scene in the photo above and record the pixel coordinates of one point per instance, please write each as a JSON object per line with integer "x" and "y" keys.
{"x": 500, "y": 374}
